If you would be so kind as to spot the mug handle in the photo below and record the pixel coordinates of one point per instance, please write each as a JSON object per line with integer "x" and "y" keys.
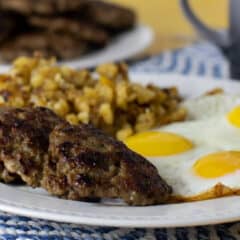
{"x": 219, "y": 38}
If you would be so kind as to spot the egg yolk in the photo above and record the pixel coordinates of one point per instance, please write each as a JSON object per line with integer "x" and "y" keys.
{"x": 217, "y": 164}
{"x": 234, "y": 117}
{"x": 156, "y": 143}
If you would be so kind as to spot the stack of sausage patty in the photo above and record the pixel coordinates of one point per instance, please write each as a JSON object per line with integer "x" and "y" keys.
{"x": 74, "y": 162}
{"x": 63, "y": 28}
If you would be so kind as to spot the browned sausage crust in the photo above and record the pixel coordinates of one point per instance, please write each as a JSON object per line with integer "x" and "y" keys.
{"x": 110, "y": 16}
{"x": 6, "y": 176}
{"x": 41, "y": 6}
{"x": 86, "y": 163}
{"x": 24, "y": 138}
{"x": 76, "y": 28}
{"x": 74, "y": 162}
{"x": 10, "y": 25}
{"x": 63, "y": 46}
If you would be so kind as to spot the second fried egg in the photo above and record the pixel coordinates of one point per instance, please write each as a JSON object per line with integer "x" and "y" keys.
{"x": 195, "y": 171}
{"x": 200, "y": 159}
{"x": 202, "y": 174}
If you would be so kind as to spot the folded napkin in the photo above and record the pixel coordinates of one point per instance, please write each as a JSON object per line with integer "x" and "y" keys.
{"x": 200, "y": 59}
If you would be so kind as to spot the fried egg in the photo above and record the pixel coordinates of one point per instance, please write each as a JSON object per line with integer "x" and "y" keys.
{"x": 195, "y": 171}
{"x": 221, "y": 132}
{"x": 171, "y": 154}
{"x": 201, "y": 174}
{"x": 200, "y": 158}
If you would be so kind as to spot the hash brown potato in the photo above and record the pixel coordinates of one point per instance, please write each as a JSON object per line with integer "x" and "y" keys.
{"x": 109, "y": 101}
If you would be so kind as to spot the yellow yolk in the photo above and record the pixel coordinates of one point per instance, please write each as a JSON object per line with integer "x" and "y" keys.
{"x": 217, "y": 164}
{"x": 234, "y": 117}
{"x": 155, "y": 144}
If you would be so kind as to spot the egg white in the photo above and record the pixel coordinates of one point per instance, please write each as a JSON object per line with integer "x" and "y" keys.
{"x": 210, "y": 135}
{"x": 195, "y": 131}
{"x": 222, "y": 134}
{"x": 206, "y": 107}
{"x": 210, "y": 131}
{"x": 216, "y": 132}
{"x": 178, "y": 172}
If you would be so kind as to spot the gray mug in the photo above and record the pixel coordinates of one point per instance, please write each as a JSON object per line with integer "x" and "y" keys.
{"x": 228, "y": 41}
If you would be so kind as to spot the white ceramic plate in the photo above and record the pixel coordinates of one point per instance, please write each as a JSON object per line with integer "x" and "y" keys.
{"x": 37, "y": 203}
{"x": 121, "y": 47}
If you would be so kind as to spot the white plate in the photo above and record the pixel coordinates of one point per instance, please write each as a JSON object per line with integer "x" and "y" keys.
{"x": 121, "y": 47}
{"x": 37, "y": 203}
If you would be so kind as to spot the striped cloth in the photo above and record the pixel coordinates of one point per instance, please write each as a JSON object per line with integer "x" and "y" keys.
{"x": 200, "y": 59}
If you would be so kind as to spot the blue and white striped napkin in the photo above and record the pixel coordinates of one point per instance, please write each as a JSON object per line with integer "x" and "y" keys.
{"x": 200, "y": 59}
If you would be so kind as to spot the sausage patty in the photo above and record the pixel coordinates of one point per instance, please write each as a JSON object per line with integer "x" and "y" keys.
{"x": 24, "y": 139}
{"x": 44, "y": 7}
{"x": 86, "y": 163}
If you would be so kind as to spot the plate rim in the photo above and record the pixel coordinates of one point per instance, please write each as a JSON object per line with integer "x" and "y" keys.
{"x": 114, "y": 221}
{"x": 131, "y": 220}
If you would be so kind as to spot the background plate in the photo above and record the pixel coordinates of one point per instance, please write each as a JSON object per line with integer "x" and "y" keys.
{"x": 121, "y": 47}
{"x": 37, "y": 203}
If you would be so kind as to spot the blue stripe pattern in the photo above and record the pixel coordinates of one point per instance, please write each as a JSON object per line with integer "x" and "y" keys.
{"x": 22, "y": 228}
{"x": 201, "y": 59}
